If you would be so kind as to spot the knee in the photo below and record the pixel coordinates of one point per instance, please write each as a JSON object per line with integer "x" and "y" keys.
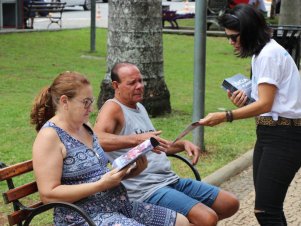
{"x": 205, "y": 219}
{"x": 233, "y": 205}
{"x": 201, "y": 215}
{"x": 210, "y": 219}
{"x": 225, "y": 205}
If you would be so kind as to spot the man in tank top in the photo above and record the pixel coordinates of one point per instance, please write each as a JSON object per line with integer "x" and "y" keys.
{"x": 123, "y": 123}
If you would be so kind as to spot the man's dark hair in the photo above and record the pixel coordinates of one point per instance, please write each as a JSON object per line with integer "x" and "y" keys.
{"x": 115, "y": 69}
{"x": 251, "y": 25}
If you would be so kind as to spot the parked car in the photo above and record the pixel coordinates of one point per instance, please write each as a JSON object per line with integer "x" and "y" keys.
{"x": 84, "y": 3}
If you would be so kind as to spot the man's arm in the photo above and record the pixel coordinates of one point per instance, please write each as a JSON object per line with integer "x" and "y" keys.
{"x": 109, "y": 123}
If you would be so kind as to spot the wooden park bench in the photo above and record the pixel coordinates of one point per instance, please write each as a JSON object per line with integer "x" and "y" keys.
{"x": 214, "y": 9}
{"x": 23, "y": 213}
{"x": 51, "y": 10}
{"x": 171, "y": 17}
{"x": 289, "y": 36}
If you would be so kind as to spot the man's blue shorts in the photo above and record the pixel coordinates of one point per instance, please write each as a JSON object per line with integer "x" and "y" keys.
{"x": 183, "y": 195}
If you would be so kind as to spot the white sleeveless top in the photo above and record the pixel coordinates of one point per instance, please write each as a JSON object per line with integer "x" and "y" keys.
{"x": 158, "y": 173}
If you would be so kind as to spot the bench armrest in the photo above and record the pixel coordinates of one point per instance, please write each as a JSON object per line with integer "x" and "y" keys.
{"x": 49, "y": 206}
{"x": 188, "y": 163}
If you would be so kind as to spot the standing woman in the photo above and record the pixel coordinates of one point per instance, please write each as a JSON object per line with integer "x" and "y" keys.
{"x": 276, "y": 87}
{"x": 70, "y": 165}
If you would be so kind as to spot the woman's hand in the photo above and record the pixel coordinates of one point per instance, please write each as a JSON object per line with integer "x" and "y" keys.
{"x": 141, "y": 164}
{"x": 238, "y": 98}
{"x": 113, "y": 178}
{"x": 213, "y": 119}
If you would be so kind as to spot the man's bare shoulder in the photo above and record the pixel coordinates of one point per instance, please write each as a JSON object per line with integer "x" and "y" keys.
{"x": 110, "y": 111}
{"x": 110, "y": 119}
{"x": 110, "y": 106}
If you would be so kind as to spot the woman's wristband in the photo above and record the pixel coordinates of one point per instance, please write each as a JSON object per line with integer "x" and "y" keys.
{"x": 229, "y": 116}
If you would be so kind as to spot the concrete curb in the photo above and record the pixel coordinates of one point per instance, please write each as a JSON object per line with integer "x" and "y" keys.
{"x": 231, "y": 169}
{"x": 189, "y": 31}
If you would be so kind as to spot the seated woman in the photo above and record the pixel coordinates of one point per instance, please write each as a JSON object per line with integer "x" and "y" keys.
{"x": 28, "y": 14}
{"x": 70, "y": 165}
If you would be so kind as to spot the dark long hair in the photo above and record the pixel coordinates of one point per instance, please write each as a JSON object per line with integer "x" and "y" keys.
{"x": 251, "y": 24}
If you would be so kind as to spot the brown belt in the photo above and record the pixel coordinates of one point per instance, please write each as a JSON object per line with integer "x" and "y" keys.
{"x": 268, "y": 121}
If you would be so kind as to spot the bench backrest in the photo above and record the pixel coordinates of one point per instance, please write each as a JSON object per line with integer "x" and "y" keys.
{"x": 13, "y": 194}
{"x": 51, "y": 7}
{"x": 289, "y": 36}
{"x": 168, "y": 14}
{"x": 23, "y": 214}
{"x": 217, "y": 6}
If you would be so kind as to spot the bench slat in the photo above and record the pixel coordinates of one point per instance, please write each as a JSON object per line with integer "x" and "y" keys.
{"x": 20, "y": 192}
{"x": 46, "y": 10}
{"x": 15, "y": 170}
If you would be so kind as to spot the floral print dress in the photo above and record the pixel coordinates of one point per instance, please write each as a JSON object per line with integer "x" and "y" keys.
{"x": 108, "y": 208}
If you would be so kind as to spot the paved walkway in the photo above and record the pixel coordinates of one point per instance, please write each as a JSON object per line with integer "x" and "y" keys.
{"x": 242, "y": 186}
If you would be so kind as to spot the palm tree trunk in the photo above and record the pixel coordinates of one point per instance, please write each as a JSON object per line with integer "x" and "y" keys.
{"x": 135, "y": 35}
{"x": 290, "y": 13}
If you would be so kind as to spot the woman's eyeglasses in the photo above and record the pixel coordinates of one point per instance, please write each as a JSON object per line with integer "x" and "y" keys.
{"x": 233, "y": 37}
{"x": 87, "y": 102}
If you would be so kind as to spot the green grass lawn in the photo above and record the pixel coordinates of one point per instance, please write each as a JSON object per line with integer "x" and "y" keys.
{"x": 29, "y": 61}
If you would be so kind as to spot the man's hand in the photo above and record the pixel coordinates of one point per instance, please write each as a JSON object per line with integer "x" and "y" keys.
{"x": 193, "y": 151}
{"x": 162, "y": 147}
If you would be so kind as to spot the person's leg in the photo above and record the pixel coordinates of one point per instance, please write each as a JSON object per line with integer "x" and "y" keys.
{"x": 196, "y": 212}
{"x": 115, "y": 218}
{"x": 223, "y": 203}
{"x": 256, "y": 160}
{"x": 149, "y": 214}
{"x": 182, "y": 220}
{"x": 193, "y": 199}
{"x": 202, "y": 215}
{"x": 280, "y": 160}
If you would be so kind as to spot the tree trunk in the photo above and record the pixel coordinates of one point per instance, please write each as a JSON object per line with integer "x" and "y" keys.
{"x": 135, "y": 35}
{"x": 290, "y": 13}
